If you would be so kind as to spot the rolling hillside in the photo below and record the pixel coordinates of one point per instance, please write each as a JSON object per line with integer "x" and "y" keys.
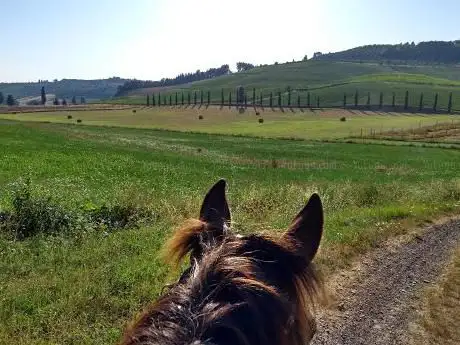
{"x": 65, "y": 88}
{"x": 328, "y": 80}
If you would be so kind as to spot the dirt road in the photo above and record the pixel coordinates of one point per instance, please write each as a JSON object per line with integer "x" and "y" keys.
{"x": 374, "y": 301}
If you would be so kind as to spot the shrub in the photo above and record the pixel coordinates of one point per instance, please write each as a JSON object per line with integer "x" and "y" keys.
{"x": 368, "y": 195}
{"x": 257, "y": 113}
{"x": 118, "y": 216}
{"x": 31, "y": 215}
{"x": 343, "y": 119}
{"x": 261, "y": 120}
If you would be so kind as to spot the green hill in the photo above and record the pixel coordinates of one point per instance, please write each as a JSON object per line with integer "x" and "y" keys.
{"x": 328, "y": 80}
{"x": 65, "y": 88}
{"x": 433, "y": 52}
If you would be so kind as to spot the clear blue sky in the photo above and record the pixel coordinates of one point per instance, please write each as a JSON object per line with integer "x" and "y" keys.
{"x": 151, "y": 39}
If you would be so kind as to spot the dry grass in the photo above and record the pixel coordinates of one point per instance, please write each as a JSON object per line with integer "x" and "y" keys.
{"x": 288, "y": 123}
{"x": 438, "y": 320}
{"x": 448, "y": 132}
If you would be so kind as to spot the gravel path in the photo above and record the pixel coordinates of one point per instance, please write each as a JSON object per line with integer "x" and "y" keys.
{"x": 375, "y": 301}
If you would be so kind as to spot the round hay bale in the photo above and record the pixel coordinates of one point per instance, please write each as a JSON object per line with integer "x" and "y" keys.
{"x": 199, "y": 150}
{"x": 200, "y": 117}
{"x": 78, "y": 121}
{"x": 134, "y": 111}
{"x": 261, "y": 120}
{"x": 69, "y": 116}
{"x": 343, "y": 119}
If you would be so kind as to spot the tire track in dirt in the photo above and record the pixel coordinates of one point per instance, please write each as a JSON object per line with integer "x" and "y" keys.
{"x": 375, "y": 301}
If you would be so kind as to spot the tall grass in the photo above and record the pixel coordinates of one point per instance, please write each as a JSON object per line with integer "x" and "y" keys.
{"x": 81, "y": 284}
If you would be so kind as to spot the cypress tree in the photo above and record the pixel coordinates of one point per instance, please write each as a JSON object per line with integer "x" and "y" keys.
{"x": 381, "y": 100}
{"x": 420, "y": 106}
{"x": 43, "y": 96}
{"x": 222, "y": 99}
{"x": 164, "y": 100}
{"x": 176, "y": 99}
{"x": 356, "y": 98}
{"x": 153, "y": 100}
{"x": 308, "y": 100}
{"x": 271, "y": 100}
{"x": 406, "y": 100}
{"x": 182, "y": 100}
{"x": 148, "y": 101}
{"x": 368, "y": 103}
{"x": 159, "y": 99}
{"x": 194, "y": 98}
{"x": 435, "y": 105}
{"x": 254, "y": 96}
{"x": 393, "y": 100}
{"x": 209, "y": 97}
{"x": 261, "y": 101}
{"x": 245, "y": 101}
{"x": 279, "y": 100}
{"x": 289, "y": 97}
{"x": 298, "y": 101}
{"x": 449, "y": 106}
{"x": 170, "y": 100}
{"x": 201, "y": 97}
{"x": 317, "y": 102}
{"x": 344, "y": 100}
{"x": 188, "y": 98}
{"x": 230, "y": 99}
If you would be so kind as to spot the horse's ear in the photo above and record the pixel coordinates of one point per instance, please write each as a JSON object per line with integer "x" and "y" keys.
{"x": 214, "y": 209}
{"x": 307, "y": 227}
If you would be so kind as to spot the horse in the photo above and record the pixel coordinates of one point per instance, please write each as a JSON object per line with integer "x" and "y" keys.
{"x": 254, "y": 289}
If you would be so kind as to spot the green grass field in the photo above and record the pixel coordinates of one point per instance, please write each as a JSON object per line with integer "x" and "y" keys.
{"x": 329, "y": 81}
{"x": 306, "y": 124}
{"x": 82, "y": 286}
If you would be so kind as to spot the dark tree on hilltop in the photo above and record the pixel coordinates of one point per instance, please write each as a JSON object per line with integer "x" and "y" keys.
{"x": 180, "y": 79}
{"x": 56, "y": 101}
{"x": 10, "y": 101}
{"x": 64, "y": 102}
{"x": 43, "y": 94}
{"x": 74, "y": 100}
{"x": 2, "y": 98}
{"x": 244, "y": 66}
{"x": 82, "y": 100}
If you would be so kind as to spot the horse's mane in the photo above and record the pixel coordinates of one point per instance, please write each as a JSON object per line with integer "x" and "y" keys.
{"x": 247, "y": 290}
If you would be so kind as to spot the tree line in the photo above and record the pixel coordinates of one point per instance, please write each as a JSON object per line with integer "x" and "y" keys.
{"x": 180, "y": 79}
{"x": 447, "y": 52}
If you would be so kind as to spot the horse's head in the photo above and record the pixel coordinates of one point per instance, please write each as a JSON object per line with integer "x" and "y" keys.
{"x": 250, "y": 290}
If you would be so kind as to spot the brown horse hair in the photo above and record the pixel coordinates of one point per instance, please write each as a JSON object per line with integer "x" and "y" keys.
{"x": 240, "y": 290}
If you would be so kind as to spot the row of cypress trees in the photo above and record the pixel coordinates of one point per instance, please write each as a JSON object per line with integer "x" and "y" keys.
{"x": 241, "y": 99}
